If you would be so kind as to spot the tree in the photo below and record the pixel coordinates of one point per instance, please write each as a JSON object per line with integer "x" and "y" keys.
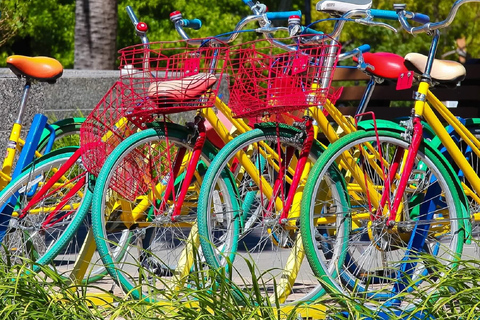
{"x": 43, "y": 27}
{"x": 466, "y": 24}
{"x": 7, "y": 26}
{"x": 46, "y": 27}
{"x": 95, "y": 34}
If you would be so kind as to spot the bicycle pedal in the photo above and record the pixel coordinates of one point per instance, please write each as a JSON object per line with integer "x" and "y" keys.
{"x": 157, "y": 268}
{"x": 190, "y": 125}
{"x": 300, "y": 125}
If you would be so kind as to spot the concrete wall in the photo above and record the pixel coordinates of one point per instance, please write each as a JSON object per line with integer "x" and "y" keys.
{"x": 76, "y": 93}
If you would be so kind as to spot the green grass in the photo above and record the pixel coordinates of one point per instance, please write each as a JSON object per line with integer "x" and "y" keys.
{"x": 28, "y": 295}
{"x": 209, "y": 295}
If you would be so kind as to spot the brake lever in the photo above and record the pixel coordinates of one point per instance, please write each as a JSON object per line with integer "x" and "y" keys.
{"x": 376, "y": 24}
{"x": 259, "y": 8}
{"x": 268, "y": 29}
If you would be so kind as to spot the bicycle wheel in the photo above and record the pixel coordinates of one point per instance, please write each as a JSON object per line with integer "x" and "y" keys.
{"x": 241, "y": 231}
{"x": 67, "y": 133}
{"x": 158, "y": 251}
{"x": 43, "y": 231}
{"x": 371, "y": 259}
{"x": 471, "y": 250}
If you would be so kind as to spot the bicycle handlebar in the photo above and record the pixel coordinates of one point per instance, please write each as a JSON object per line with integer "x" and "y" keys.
{"x": 260, "y": 16}
{"x": 132, "y": 15}
{"x": 263, "y": 18}
{"x": 355, "y": 52}
{"x": 140, "y": 28}
{"x": 392, "y": 15}
{"x": 194, "y": 24}
{"x": 368, "y": 15}
{"x": 306, "y": 30}
{"x": 428, "y": 27}
{"x": 284, "y": 15}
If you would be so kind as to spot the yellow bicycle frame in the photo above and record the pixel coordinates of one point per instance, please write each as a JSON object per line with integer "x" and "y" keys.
{"x": 422, "y": 108}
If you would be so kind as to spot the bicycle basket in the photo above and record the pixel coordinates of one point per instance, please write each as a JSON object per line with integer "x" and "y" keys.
{"x": 267, "y": 79}
{"x": 170, "y": 77}
{"x": 105, "y": 128}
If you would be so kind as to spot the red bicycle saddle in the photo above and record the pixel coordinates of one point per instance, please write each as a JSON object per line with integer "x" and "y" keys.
{"x": 386, "y": 65}
{"x": 39, "y": 68}
{"x": 187, "y": 88}
{"x": 390, "y": 66}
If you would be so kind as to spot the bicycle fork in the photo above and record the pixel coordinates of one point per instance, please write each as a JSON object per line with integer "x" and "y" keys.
{"x": 302, "y": 160}
{"x": 409, "y": 162}
{"x": 199, "y": 126}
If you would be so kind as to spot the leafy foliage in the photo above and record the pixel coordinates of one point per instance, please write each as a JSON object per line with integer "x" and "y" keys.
{"x": 28, "y": 295}
{"x": 466, "y": 24}
{"x": 46, "y": 27}
{"x": 8, "y": 26}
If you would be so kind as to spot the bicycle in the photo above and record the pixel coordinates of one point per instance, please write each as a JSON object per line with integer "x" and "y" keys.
{"x": 417, "y": 207}
{"x": 182, "y": 226}
{"x": 41, "y": 137}
{"x": 167, "y": 267}
{"x": 65, "y": 216}
{"x": 223, "y": 220}
{"x": 84, "y": 254}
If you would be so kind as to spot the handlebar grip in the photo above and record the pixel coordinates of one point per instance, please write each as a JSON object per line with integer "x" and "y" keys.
{"x": 384, "y": 14}
{"x": 392, "y": 15}
{"x": 306, "y": 30}
{"x": 420, "y": 17}
{"x": 194, "y": 24}
{"x": 284, "y": 15}
{"x": 364, "y": 48}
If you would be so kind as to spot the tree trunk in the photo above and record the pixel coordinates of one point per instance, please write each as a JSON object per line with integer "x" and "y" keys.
{"x": 285, "y": 5}
{"x": 307, "y": 12}
{"x": 95, "y": 34}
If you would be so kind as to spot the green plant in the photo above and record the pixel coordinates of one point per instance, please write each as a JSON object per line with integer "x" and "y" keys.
{"x": 210, "y": 295}
{"x": 44, "y": 295}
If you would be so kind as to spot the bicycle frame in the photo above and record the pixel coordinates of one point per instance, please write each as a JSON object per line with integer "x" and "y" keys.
{"x": 28, "y": 146}
{"x": 423, "y": 108}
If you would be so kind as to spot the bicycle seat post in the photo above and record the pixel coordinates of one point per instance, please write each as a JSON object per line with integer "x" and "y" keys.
{"x": 23, "y": 101}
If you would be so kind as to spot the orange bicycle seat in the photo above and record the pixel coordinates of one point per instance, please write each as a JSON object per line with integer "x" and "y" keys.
{"x": 188, "y": 88}
{"x": 43, "y": 69}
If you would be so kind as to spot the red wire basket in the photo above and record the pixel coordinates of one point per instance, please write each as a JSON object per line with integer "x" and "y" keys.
{"x": 270, "y": 80}
{"x": 105, "y": 128}
{"x": 171, "y": 77}
{"x": 167, "y": 77}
